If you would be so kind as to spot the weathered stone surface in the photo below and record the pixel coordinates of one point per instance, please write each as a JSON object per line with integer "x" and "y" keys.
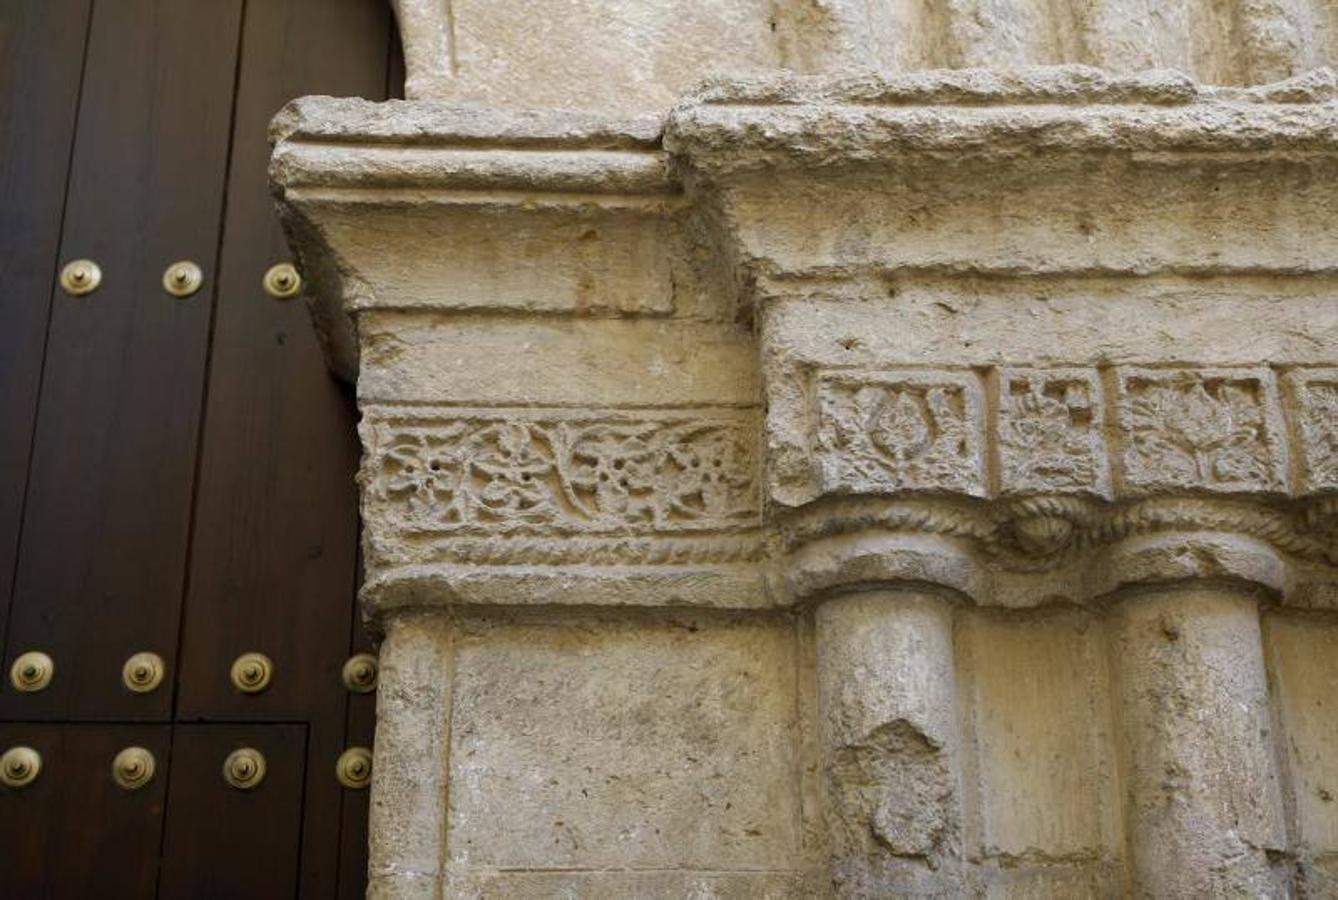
{"x": 1304, "y": 665}
{"x": 890, "y": 744}
{"x": 413, "y": 710}
{"x": 556, "y": 362}
{"x": 1041, "y": 716}
{"x": 858, "y": 485}
{"x": 641, "y": 55}
{"x": 1204, "y": 805}
{"x": 651, "y": 744}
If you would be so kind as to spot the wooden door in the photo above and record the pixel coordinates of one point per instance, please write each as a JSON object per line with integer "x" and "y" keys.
{"x": 211, "y": 825}
{"x": 50, "y": 850}
{"x": 176, "y": 473}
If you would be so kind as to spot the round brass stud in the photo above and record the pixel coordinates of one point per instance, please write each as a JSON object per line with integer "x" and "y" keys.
{"x": 252, "y": 672}
{"x": 133, "y": 768}
{"x": 31, "y": 672}
{"x": 143, "y": 672}
{"x": 282, "y": 281}
{"x": 19, "y": 766}
{"x": 354, "y": 768}
{"x": 82, "y": 276}
{"x": 360, "y": 673}
{"x": 182, "y": 278}
{"x": 244, "y": 769}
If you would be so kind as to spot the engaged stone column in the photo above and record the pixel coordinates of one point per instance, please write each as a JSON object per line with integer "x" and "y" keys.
{"x": 890, "y": 743}
{"x": 1204, "y": 809}
{"x": 409, "y": 781}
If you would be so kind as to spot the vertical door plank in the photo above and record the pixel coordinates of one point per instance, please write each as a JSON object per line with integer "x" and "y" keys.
{"x": 276, "y": 526}
{"x": 103, "y": 548}
{"x": 360, "y": 731}
{"x": 73, "y": 833}
{"x": 223, "y": 842}
{"x": 41, "y": 58}
{"x": 353, "y": 829}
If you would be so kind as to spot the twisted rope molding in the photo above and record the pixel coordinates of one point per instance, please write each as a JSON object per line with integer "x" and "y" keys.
{"x": 1031, "y": 534}
{"x": 1039, "y": 533}
{"x": 663, "y": 550}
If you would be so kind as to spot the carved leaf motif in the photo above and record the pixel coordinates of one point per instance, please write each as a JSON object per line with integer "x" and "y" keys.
{"x": 899, "y": 428}
{"x": 1196, "y": 430}
{"x": 611, "y": 472}
{"x": 1047, "y": 436}
{"x": 566, "y": 474}
{"x": 707, "y": 474}
{"x": 1319, "y": 434}
{"x": 508, "y": 467}
{"x": 888, "y": 434}
{"x": 421, "y": 472}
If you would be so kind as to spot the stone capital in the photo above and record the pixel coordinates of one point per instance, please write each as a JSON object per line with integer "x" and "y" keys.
{"x": 964, "y": 328}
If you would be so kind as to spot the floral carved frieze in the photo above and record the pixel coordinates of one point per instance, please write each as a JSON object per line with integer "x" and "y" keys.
{"x": 1216, "y": 430}
{"x": 891, "y": 431}
{"x": 560, "y": 472}
{"x": 1129, "y": 431}
{"x": 1316, "y": 393}
{"x": 1049, "y": 431}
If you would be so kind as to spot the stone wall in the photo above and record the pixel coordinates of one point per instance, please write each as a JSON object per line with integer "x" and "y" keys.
{"x": 621, "y": 56}
{"x": 845, "y": 485}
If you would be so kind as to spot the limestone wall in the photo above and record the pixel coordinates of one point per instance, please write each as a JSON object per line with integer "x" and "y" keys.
{"x": 631, "y": 55}
{"x": 850, "y": 486}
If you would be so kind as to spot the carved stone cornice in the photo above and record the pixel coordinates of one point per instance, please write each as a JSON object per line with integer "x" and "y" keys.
{"x": 1103, "y": 176}
{"x": 957, "y": 328}
{"x": 414, "y": 206}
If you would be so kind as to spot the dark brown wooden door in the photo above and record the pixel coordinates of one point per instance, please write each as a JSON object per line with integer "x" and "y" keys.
{"x": 50, "y": 850}
{"x": 211, "y": 826}
{"x": 176, "y": 474}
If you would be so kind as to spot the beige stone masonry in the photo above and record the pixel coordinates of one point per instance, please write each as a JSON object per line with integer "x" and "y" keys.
{"x": 854, "y": 486}
{"x": 631, "y": 55}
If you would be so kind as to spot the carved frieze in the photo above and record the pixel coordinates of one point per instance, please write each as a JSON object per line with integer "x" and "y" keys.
{"x": 1315, "y": 393}
{"x": 1212, "y": 429}
{"x": 1049, "y": 432}
{"x": 560, "y": 472}
{"x": 879, "y": 432}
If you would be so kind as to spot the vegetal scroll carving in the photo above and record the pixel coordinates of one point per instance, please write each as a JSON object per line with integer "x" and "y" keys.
{"x": 1214, "y": 430}
{"x": 1317, "y": 414}
{"x": 1049, "y": 432}
{"x": 497, "y": 473}
{"x": 883, "y": 432}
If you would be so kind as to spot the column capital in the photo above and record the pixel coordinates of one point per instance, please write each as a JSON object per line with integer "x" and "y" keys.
{"x": 967, "y": 326}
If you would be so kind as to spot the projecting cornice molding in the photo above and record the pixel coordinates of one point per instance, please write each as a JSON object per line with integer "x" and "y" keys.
{"x": 983, "y": 330}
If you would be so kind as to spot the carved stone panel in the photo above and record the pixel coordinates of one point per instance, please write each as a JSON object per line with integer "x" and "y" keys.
{"x": 880, "y": 432}
{"x": 1315, "y": 394}
{"x": 559, "y": 471}
{"x": 1205, "y": 429}
{"x": 1049, "y": 432}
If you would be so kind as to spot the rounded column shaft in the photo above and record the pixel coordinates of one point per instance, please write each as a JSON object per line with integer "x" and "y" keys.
{"x": 1204, "y": 808}
{"x": 890, "y": 744}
